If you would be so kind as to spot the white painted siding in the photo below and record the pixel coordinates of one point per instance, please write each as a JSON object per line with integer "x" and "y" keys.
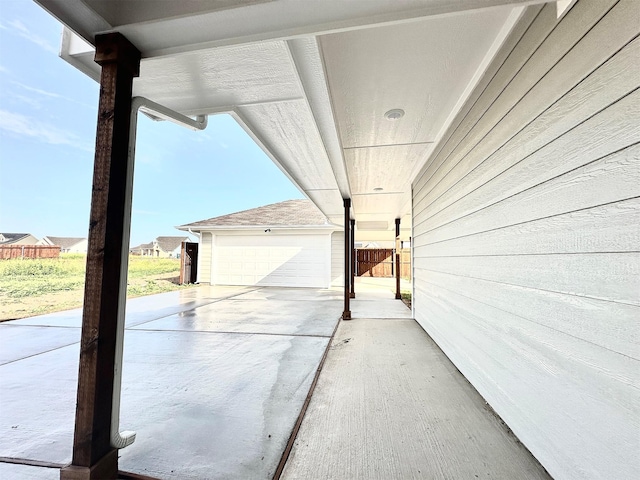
{"x": 526, "y": 238}
{"x": 337, "y": 259}
{"x": 204, "y": 258}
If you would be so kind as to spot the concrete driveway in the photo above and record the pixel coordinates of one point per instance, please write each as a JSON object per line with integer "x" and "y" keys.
{"x": 214, "y": 379}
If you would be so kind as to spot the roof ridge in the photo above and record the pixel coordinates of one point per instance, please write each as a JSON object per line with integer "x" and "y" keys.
{"x": 294, "y": 212}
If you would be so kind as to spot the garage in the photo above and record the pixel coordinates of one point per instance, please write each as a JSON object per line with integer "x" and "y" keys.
{"x": 282, "y": 259}
{"x": 285, "y": 244}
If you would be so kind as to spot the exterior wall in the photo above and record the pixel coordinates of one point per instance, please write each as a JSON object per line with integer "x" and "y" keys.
{"x": 526, "y": 238}
{"x": 80, "y": 247}
{"x": 337, "y": 259}
{"x": 204, "y": 257}
{"x": 28, "y": 240}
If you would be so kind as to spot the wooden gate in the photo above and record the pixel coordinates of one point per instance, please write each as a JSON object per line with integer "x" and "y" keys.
{"x": 375, "y": 262}
{"x": 188, "y": 263}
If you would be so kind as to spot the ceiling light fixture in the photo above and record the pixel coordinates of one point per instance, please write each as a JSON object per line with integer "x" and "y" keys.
{"x": 378, "y": 189}
{"x": 394, "y": 114}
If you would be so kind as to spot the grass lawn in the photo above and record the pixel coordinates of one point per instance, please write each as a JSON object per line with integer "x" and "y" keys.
{"x": 34, "y": 287}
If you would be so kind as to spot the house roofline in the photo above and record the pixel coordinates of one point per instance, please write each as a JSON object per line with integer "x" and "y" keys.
{"x": 208, "y": 228}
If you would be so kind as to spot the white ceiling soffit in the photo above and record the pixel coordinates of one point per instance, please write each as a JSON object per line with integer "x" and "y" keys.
{"x": 309, "y": 81}
{"x": 220, "y": 79}
{"x": 424, "y": 68}
{"x": 161, "y": 27}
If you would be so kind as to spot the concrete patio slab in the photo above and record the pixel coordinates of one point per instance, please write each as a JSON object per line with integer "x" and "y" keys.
{"x": 38, "y": 405}
{"x": 204, "y": 404}
{"x": 248, "y": 315}
{"x": 410, "y": 415}
{"x": 292, "y": 294}
{"x": 213, "y": 405}
{"x": 25, "y": 341}
{"x": 10, "y": 471}
{"x": 144, "y": 309}
{"x": 375, "y": 298}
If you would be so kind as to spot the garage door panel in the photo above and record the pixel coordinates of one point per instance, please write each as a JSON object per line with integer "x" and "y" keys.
{"x": 272, "y": 260}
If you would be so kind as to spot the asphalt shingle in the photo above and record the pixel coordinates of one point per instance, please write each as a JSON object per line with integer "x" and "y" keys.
{"x": 287, "y": 213}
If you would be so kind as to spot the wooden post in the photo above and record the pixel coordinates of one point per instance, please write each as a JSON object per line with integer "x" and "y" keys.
{"x": 183, "y": 250}
{"x": 398, "y": 295}
{"x": 93, "y": 455}
{"x": 346, "y": 314}
{"x": 352, "y": 294}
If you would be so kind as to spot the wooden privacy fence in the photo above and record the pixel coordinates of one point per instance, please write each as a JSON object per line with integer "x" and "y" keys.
{"x": 405, "y": 263}
{"x": 375, "y": 262}
{"x": 380, "y": 262}
{"x": 28, "y": 251}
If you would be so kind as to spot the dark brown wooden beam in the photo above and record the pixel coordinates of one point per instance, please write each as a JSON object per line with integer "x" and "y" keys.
{"x": 352, "y": 294}
{"x": 346, "y": 314}
{"x": 397, "y": 259}
{"x": 93, "y": 455}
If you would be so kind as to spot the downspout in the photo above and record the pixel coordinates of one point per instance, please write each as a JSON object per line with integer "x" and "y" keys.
{"x": 156, "y": 112}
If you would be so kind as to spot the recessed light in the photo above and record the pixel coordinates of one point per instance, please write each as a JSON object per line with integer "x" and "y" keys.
{"x": 378, "y": 189}
{"x": 394, "y": 114}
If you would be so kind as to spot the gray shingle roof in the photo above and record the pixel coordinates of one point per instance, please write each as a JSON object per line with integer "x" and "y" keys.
{"x": 288, "y": 213}
{"x": 169, "y": 244}
{"x": 65, "y": 242}
{"x": 143, "y": 246}
{"x": 13, "y": 237}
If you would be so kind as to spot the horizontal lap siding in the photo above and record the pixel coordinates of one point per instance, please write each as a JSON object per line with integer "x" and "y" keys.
{"x": 204, "y": 262}
{"x": 337, "y": 259}
{"x": 526, "y": 238}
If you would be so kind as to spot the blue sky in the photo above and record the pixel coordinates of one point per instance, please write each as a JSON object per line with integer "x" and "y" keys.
{"x": 47, "y": 134}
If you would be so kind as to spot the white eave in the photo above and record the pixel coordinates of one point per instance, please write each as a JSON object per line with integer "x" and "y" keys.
{"x": 247, "y": 228}
{"x": 311, "y": 85}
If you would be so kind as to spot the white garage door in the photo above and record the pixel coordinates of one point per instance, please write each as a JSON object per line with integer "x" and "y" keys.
{"x": 273, "y": 260}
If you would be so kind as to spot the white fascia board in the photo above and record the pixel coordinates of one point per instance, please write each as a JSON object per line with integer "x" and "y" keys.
{"x": 267, "y": 21}
{"x": 277, "y": 230}
{"x": 253, "y": 133}
{"x": 283, "y": 20}
{"x": 307, "y": 59}
{"x": 79, "y": 54}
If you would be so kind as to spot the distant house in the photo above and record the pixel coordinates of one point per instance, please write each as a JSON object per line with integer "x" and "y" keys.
{"x": 290, "y": 243}
{"x": 166, "y": 247}
{"x": 66, "y": 244}
{"x": 17, "y": 239}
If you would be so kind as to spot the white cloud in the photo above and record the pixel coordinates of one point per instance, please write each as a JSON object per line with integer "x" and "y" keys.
{"x": 25, "y": 126}
{"x": 46, "y": 93}
{"x": 21, "y": 29}
{"x": 38, "y": 90}
{"x": 32, "y": 102}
